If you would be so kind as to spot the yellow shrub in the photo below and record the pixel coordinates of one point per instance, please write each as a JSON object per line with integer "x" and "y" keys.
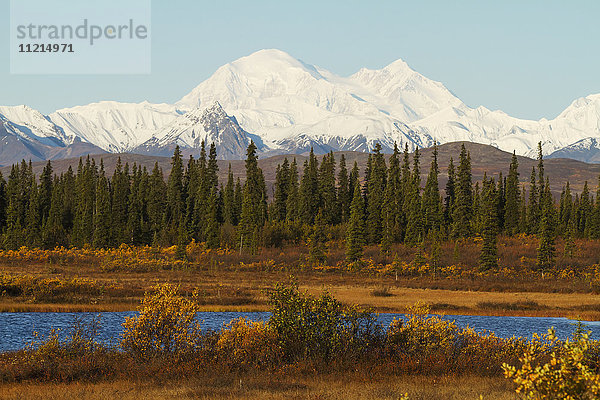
{"x": 167, "y": 325}
{"x": 245, "y": 342}
{"x": 564, "y": 376}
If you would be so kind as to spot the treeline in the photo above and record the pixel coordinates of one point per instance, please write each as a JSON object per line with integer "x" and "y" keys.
{"x": 325, "y": 200}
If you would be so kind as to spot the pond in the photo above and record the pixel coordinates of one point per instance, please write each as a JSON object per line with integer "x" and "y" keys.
{"x": 16, "y": 329}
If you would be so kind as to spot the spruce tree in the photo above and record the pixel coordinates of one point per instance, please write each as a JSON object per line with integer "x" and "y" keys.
{"x": 229, "y": 212}
{"x": 431, "y": 209}
{"x": 2, "y": 204}
{"x": 254, "y": 201}
{"x": 565, "y": 214}
{"x": 54, "y": 233}
{"x": 174, "y": 211}
{"x": 327, "y": 190}
{"x": 343, "y": 194}
{"x": 317, "y": 242}
{"x": 513, "y": 198}
{"x": 33, "y": 235}
{"x": 45, "y": 191}
{"x": 569, "y": 250}
{"x": 13, "y": 237}
{"x": 414, "y": 214}
{"x": 450, "y": 198}
{"x": 237, "y": 200}
{"x": 293, "y": 200}
{"x": 135, "y": 217}
{"x": 68, "y": 199}
{"x": 595, "y": 231}
{"x": 392, "y": 207}
{"x": 309, "y": 190}
{"x": 119, "y": 204}
{"x": 157, "y": 192}
{"x": 211, "y": 229}
{"x": 353, "y": 179}
{"x": 85, "y": 201}
{"x": 488, "y": 257}
{"x": 102, "y": 212}
{"x": 584, "y": 211}
{"x": 375, "y": 184}
{"x": 355, "y": 231}
{"x": 533, "y": 206}
{"x": 191, "y": 189}
{"x": 463, "y": 205}
{"x": 546, "y": 248}
{"x": 282, "y": 181}
{"x": 406, "y": 185}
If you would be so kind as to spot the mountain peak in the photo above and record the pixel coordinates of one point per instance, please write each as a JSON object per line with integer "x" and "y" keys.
{"x": 399, "y": 66}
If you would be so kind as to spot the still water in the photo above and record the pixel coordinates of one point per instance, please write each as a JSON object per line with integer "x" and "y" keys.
{"x": 16, "y": 329}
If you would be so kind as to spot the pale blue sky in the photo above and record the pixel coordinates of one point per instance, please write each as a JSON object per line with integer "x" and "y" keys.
{"x": 530, "y": 59}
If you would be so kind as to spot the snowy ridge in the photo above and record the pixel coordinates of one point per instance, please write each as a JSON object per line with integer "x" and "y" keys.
{"x": 288, "y": 106}
{"x": 113, "y": 126}
{"x": 210, "y": 125}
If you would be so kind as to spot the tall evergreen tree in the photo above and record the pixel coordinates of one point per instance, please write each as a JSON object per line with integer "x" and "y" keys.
{"x": 463, "y": 205}
{"x": 392, "y": 208}
{"x": 414, "y": 215}
{"x": 2, "y": 204}
{"x": 450, "y": 194}
{"x": 229, "y": 212}
{"x": 584, "y": 211}
{"x": 317, "y": 242}
{"x": 45, "y": 191}
{"x": 54, "y": 233}
{"x": 355, "y": 231}
{"x": 15, "y": 208}
{"x": 353, "y": 179}
{"x": 565, "y": 211}
{"x": 375, "y": 184}
{"x": 546, "y": 248}
{"x": 513, "y": 198}
{"x": 282, "y": 182}
{"x": 595, "y": 231}
{"x": 254, "y": 203}
{"x": 119, "y": 204}
{"x": 83, "y": 225}
{"x": 327, "y": 190}
{"x": 488, "y": 257}
{"x": 292, "y": 206}
{"x": 310, "y": 200}
{"x": 533, "y": 206}
{"x": 343, "y": 193}
{"x": 157, "y": 193}
{"x": 102, "y": 212}
{"x": 174, "y": 211}
{"x": 431, "y": 210}
{"x": 33, "y": 236}
{"x": 136, "y": 220}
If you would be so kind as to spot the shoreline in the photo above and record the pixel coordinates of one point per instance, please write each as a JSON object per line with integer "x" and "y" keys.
{"x": 590, "y": 316}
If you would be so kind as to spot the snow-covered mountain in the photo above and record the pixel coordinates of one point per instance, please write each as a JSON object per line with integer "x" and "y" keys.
{"x": 209, "y": 125}
{"x": 292, "y": 105}
{"x": 113, "y": 126}
{"x": 578, "y": 121}
{"x": 286, "y": 105}
{"x": 33, "y": 139}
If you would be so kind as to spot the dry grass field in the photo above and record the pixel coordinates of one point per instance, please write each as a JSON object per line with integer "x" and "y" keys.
{"x": 116, "y": 280}
{"x": 346, "y": 387}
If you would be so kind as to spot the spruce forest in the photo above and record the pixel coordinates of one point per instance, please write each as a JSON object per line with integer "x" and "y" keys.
{"x": 311, "y": 204}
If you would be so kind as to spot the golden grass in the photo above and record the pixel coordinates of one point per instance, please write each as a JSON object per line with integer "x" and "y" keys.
{"x": 573, "y": 305}
{"x": 233, "y": 291}
{"x": 344, "y": 387}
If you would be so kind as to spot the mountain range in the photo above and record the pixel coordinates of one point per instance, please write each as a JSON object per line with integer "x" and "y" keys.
{"x": 288, "y": 106}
